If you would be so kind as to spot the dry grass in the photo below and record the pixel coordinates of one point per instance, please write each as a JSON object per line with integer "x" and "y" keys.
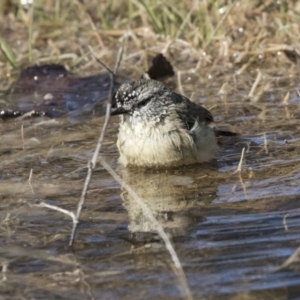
{"x": 237, "y": 34}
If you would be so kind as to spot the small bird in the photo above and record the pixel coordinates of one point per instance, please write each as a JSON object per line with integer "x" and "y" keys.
{"x": 159, "y": 127}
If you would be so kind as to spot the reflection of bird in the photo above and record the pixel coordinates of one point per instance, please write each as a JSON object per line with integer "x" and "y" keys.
{"x": 171, "y": 195}
{"x": 159, "y": 127}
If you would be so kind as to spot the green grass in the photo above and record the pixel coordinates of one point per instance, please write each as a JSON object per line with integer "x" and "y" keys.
{"x": 7, "y": 52}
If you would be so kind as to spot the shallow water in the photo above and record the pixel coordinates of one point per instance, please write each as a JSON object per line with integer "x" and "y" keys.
{"x": 231, "y": 231}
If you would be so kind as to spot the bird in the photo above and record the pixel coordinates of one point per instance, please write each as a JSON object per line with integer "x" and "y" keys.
{"x": 161, "y": 128}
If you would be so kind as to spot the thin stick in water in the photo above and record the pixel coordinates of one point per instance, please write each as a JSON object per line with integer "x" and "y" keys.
{"x": 239, "y": 168}
{"x": 29, "y": 181}
{"x": 92, "y": 163}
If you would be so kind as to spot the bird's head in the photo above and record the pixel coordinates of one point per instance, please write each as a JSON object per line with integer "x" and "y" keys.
{"x": 142, "y": 97}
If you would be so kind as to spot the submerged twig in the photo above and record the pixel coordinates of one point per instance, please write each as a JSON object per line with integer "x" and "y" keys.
{"x": 286, "y": 228}
{"x": 29, "y": 181}
{"x": 147, "y": 211}
{"x": 62, "y": 210}
{"x": 92, "y": 163}
{"x": 266, "y": 144}
{"x": 243, "y": 186}
{"x": 159, "y": 228}
{"x": 292, "y": 258}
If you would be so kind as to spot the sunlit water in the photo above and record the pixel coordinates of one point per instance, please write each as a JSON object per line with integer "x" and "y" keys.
{"x": 231, "y": 230}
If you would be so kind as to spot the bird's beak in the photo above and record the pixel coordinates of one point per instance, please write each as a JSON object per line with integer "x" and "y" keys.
{"x": 118, "y": 111}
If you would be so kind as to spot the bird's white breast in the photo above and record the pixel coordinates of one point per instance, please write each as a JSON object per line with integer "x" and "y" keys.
{"x": 164, "y": 143}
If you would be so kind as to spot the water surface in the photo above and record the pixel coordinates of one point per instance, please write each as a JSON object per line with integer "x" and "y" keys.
{"x": 231, "y": 231}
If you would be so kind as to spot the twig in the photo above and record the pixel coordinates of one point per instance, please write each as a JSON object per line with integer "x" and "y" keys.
{"x": 92, "y": 163}
{"x": 255, "y": 84}
{"x": 223, "y": 89}
{"x": 100, "y": 62}
{"x": 243, "y": 186}
{"x": 62, "y": 210}
{"x": 286, "y": 228}
{"x": 293, "y": 258}
{"x": 266, "y": 144}
{"x": 239, "y": 168}
{"x": 286, "y": 98}
{"x": 29, "y": 181}
{"x": 159, "y": 228}
{"x": 22, "y": 137}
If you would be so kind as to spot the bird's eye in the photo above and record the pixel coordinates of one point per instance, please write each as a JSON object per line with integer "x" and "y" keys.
{"x": 144, "y": 102}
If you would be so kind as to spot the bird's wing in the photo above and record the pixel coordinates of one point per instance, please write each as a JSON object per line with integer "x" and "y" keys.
{"x": 189, "y": 111}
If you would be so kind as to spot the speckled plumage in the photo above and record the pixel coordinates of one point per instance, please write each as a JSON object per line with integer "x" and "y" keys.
{"x": 159, "y": 127}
